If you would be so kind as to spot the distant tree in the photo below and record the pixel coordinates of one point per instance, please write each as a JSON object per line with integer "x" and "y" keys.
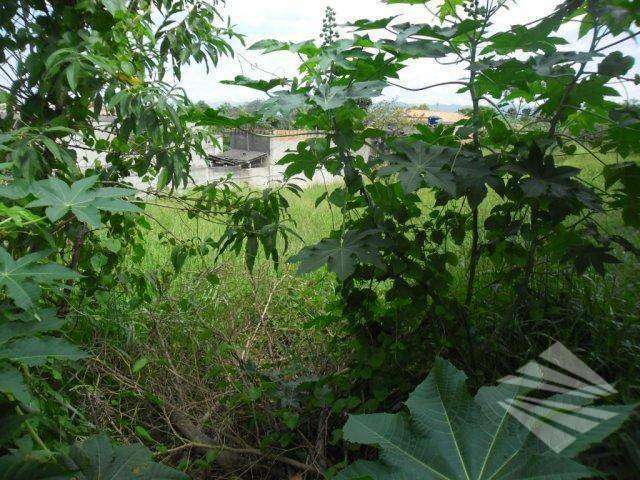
{"x": 388, "y": 116}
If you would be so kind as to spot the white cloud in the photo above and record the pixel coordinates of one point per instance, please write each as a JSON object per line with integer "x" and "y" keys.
{"x": 297, "y": 20}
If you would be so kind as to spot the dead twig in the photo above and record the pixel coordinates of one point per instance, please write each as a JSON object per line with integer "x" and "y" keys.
{"x": 229, "y": 457}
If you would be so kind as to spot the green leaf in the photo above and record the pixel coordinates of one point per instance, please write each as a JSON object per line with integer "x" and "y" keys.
{"x": 35, "y": 351}
{"x": 25, "y": 466}
{"x": 331, "y": 97}
{"x": 97, "y": 459}
{"x": 179, "y": 255}
{"x": 449, "y": 7}
{"x": 144, "y": 433}
{"x": 114, "y": 6}
{"x": 22, "y": 277}
{"x": 341, "y": 255}
{"x": 452, "y": 436}
{"x": 369, "y": 89}
{"x": 526, "y": 39}
{"x": 98, "y": 261}
{"x": 451, "y": 32}
{"x": 81, "y": 199}
{"x": 366, "y": 24}
{"x": 417, "y": 48}
{"x": 555, "y": 182}
{"x": 615, "y": 65}
{"x": 72, "y": 74}
{"x": 419, "y": 164}
{"x": 543, "y": 65}
{"x": 269, "y": 46}
{"x": 625, "y": 176}
{"x": 282, "y": 103}
{"x": 251, "y": 252}
{"x": 306, "y": 159}
{"x": 213, "y": 279}
{"x": 16, "y": 190}
{"x": 306, "y": 47}
{"x": 140, "y": 364}
{"x": 47, "y": 321}
{"x": 290, "y": 419}
{"x": 212, "y": 117}
{"x": 19, "y": 216}
{"x": 262, "y": 85}
{"x": 471, "y": 177}
{"x": 12, "y": 383}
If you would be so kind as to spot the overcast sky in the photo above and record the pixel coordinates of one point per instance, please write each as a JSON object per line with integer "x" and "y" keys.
{"x": 298, "y": 20}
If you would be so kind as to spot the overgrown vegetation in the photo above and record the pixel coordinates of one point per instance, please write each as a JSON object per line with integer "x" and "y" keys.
{"x": 178, "y": 320}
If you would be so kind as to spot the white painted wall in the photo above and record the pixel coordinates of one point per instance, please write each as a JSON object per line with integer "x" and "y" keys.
{"x": 202, "y": 172}
{"x": 273, "y": 173}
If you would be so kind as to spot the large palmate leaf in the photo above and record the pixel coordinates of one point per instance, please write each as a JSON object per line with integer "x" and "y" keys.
{"x": 81, "y": 199}
{"x": 15, "y": 190}
{"x": 519, "y": 37}
{"x": 420, "y": 164}
{"x": 336, "y": 96}
{"x": 543, "y": 65}
{"x": 94, "y": 459}
{"x": 97, "y": 459}
{"x": 625, "y": 176}
{"x": 282, "y": 103}
{"x": 452, "y": 436}
{"x": 615, "y": 64}
{"x": 472, "y": 176}
{"x": 22, "y": 278}
{"x": 450, "y": 32}
{"x": 417, "y": 48}
{"x": 308, "y": 155}
{"x": 341, "y": 255}
{"x": 553, "y": 181}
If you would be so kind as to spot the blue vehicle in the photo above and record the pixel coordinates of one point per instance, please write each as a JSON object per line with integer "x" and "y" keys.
{"x": 434, "y": 121}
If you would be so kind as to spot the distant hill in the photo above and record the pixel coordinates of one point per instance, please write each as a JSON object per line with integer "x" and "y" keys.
{"x": 441, "y": 107}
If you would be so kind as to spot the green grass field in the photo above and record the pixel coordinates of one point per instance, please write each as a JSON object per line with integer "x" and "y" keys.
{"x": 312, "y": 224}
{"x": 277, "y": 301}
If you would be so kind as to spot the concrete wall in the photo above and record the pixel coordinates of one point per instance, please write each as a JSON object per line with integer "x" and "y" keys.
{"x": 248, "y": 141}
{"x": 278, "y": 144}
{"x": 281, "y": 142}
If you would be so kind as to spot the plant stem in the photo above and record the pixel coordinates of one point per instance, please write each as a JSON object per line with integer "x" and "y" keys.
{"x": 34, "y": 434}
{"x": 63, "y": 310}
{"x": 473, "y": 254}
{"x": 531, "y": 257}
{"x": 473, "y": 264}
